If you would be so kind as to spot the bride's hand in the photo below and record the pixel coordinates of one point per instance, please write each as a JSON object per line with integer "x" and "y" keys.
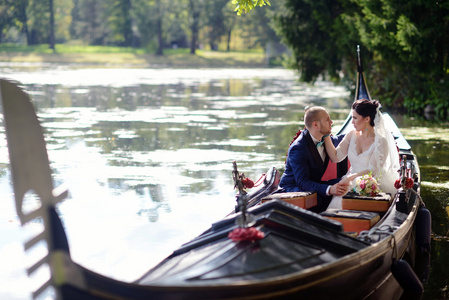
{"x": 351, "y": 177}
{"x": 348, "y": 178}
{"x": 345, "y": 180}
{"x": 339, "y": 189}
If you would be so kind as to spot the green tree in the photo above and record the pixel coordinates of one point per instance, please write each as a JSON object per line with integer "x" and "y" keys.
{"x": 215, "y": 21}
{"x": 22, "y": 17}
{"x": 176, "y": 24}
{"x": 256, "y": 27}
{"x": 13, "y": 15}
{"x": 38, "y": 21}
{"x": 308, "y": 27}
{"x": 51, "y": 38}
{"x": 6, "y": 16}
{"x": 160, "y": 23}
{"x": 244, "y": 6}
{"x": 89, "y": 22}
{"x": 410, "y": 45}
{"x": 120, "y": 23}
{"x": 159, "y": 28}
{"x": 405, "y": 42}
{"x": 147, "y": 15}
{"x": 63, "y": 20}
{"x": 195, "y": 10}
{"x": 229, "y": 23}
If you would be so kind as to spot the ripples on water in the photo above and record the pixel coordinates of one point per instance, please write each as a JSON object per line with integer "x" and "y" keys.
{"x": 147, "y": 155}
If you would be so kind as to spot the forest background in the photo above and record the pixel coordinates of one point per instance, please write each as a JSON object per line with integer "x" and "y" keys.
{"x": 405, "y": 44}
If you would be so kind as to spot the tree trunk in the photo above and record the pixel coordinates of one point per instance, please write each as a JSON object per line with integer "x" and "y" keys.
{"x": 160, "y": 41}
{"x": 24, "y": 19}
{"x": 91, "y": 21}
{"x": 195, "y": 14}
{"x": 228, "y": 46}
{"x": 52, "y": 27}
{"x": 127, "y": 28}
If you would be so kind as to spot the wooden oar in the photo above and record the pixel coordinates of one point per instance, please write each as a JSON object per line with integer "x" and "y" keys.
{"x": 31, "y": 174}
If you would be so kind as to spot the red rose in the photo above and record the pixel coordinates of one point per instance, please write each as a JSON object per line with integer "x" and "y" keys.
{"x": 397, "y": 184}
{"x": 247, "y": 183}
{"x": 362, "y": 184}
{"x": 409, "y": 183}
{"x": 250, "y": 234}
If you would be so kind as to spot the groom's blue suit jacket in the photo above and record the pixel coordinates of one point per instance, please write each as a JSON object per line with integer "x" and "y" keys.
{"x": 304, "y": 167}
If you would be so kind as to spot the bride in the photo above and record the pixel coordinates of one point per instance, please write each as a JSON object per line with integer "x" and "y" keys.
{"x": 370, "y": 147}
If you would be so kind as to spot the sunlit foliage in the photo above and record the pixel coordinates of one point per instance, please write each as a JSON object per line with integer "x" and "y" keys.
{"x": 404, "y": 45}
{"x": 244, "y": 6}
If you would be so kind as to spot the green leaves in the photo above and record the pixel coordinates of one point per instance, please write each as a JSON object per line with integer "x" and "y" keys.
{"x": 406, "y": 31}
{"x": 404, "y": 45}
{"x": 244, "y": 6}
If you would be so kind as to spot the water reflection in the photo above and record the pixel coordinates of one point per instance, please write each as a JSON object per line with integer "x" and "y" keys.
{"x": 195, "y": 127}
{"x": 147, "y": 154}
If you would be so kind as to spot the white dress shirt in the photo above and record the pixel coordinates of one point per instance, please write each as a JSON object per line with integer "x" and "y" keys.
{"x": 323, "y": 155}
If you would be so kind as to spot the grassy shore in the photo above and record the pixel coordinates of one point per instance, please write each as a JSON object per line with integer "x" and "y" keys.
{"x": 131, "y": 57}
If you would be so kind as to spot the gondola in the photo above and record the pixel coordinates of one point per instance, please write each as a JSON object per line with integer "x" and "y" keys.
{"x": 297, "y": 253}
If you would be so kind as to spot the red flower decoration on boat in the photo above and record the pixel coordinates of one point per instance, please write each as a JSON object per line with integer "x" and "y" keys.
{"x": 408, "y": 183}
{"x": 250, "y": 234}
{"x": 247, "y": 183}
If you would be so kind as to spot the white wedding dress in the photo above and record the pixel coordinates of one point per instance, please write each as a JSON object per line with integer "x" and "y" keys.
{"x": 376, "y": 159}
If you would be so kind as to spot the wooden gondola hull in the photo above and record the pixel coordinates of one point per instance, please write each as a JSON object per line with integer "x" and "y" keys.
{"x": 362, "y": 270}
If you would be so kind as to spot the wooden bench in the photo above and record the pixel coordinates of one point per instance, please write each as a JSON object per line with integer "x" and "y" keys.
{"x": 301, "y": 199}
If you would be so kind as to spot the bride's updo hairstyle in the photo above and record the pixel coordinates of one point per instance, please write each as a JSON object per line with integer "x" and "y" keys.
{"x": 366, "y": 108}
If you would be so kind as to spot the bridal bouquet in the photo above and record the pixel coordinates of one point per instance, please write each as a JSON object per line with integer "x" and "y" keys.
{"x": 367, "y": 185}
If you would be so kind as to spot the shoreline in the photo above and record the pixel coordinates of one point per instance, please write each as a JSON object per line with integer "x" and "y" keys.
{"x": 204, "y": 59}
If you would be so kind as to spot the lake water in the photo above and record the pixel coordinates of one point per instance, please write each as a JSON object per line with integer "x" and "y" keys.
{"x": 147, "y": 157}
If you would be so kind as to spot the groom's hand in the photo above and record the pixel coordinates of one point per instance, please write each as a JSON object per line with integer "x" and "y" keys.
{"x": 339, "y": 189}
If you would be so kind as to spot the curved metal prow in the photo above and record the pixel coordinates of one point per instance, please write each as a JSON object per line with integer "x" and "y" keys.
{"x": 361, "y": 92}
{"x": 359, "y": 61}
{"x": 361, "y": 88}
{"x": 31, "y": 177}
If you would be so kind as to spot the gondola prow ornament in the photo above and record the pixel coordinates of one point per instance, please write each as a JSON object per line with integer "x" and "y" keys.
{"x": 244, "y": 231}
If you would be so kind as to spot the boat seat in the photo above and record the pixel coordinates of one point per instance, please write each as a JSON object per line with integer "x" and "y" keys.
{"x": 304, "y": 200}
{"x": 353, "y": 220}
{"x": 379, "y": 203}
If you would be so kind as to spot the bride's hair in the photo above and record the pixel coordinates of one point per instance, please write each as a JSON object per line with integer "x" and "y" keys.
{"x": 366, "y": 108}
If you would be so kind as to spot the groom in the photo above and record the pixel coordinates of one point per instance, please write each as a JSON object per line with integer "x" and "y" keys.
{"x": 307, "y": 160}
